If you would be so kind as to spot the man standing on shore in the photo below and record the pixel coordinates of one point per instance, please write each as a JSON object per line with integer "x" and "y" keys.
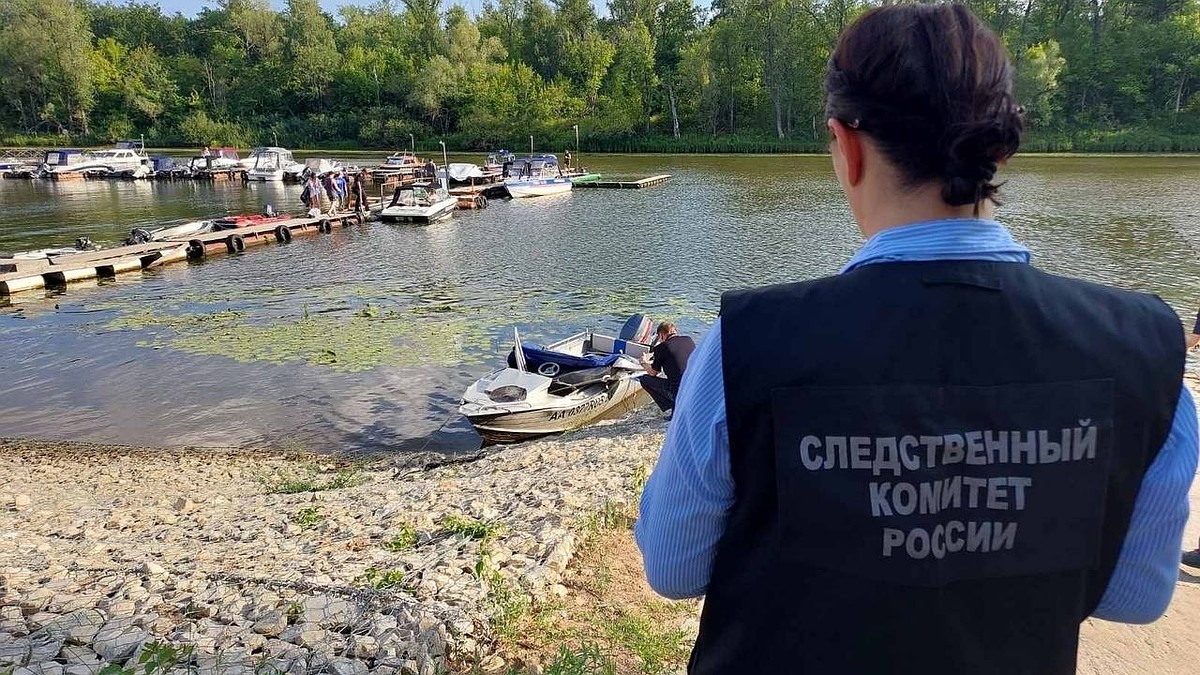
{"x": 941, "y": 460}
{"x": 669, "y": 357}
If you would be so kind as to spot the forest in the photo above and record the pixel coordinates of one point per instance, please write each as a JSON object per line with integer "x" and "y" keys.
{"x": 648, "y": 75}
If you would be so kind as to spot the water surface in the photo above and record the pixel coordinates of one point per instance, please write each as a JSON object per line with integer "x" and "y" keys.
{"x": 363, "y": 340}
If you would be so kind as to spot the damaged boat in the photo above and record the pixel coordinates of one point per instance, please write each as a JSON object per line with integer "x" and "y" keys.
{"x": 551, "y": 389}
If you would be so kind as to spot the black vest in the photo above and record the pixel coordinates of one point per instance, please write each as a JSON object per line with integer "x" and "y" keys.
{"x": 936, "y": 474}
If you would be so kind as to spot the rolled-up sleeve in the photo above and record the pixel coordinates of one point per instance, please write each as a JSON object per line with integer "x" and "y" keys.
{"x": 1144, "y": 579}
{"x": 687, "y": 499}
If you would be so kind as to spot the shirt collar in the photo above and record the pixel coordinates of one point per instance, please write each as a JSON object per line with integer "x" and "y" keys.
{"x": 949, "y": 239}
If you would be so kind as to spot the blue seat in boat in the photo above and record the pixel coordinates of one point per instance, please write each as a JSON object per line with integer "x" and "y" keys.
{"x": 536, "y": 355}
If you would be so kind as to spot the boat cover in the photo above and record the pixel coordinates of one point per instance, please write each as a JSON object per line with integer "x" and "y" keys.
{"x": 567, "y": 384}
{"x": 536, "y": 355}
{"x": 463, "y": 171}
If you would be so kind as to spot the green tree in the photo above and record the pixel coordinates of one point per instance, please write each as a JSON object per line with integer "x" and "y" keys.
{"x": 46, "y": 82}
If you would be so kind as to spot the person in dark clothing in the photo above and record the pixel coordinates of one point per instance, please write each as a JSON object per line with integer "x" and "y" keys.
{"x": 941, "y": 460}
{"x": 669, "y": 357}
{"x": 327, "y": 182}
{"x": 360, "y": 193}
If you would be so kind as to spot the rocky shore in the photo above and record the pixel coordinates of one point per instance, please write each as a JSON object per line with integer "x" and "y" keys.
{"x": 120, "y": 560}
{"x": 238, "y": 562}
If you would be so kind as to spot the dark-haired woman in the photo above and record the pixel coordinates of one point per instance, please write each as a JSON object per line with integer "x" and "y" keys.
{"x": 954, "y": 458}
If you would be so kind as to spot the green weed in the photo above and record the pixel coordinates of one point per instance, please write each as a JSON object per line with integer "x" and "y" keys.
{"x": 308, "y": 517}
{"x": 311, "y": 480}
{"x": 405, "y": 539}
{"x": 655, "y": 647}
{"x": 587, "y": 660}
{"x": 157, "y": 658}
{"x": 386, "y": 579}
{"x": 469, "y": 527}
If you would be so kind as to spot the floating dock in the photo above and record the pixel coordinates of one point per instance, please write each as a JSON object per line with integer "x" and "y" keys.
{"x": 625, "y": 185}
{"x": 18, "y": 275}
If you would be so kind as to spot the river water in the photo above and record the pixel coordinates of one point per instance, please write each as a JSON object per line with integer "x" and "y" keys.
{"x": 362, "y": 341}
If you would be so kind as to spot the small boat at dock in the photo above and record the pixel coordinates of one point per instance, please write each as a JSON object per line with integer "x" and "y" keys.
{"x": 182, "y": 231}
{"x": 271, "y": 164}
{"x": 402, "y": 164}
{"x": 420, "y": 203}
{"x": 568, "y": 384}
{"x": 536, "y": 176}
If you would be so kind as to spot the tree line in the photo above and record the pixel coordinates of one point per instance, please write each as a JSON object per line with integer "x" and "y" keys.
{"x": 651, "y": 75}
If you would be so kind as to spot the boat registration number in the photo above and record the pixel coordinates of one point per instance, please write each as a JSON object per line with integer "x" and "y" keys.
{"x": 585, "y": 407}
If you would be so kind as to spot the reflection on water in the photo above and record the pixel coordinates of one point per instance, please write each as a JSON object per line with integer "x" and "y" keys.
{"x": 362, "y": 341}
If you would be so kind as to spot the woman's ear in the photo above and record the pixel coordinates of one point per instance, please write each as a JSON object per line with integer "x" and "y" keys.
{"x": 847, "y": 152}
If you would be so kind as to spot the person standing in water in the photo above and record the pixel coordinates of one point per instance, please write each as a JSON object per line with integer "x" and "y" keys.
{"x": 941, "y": 460}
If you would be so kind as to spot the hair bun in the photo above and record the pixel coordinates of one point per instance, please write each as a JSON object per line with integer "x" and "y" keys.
{"x": 973, "y": 152}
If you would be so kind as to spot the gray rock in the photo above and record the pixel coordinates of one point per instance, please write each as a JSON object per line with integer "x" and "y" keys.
{"x": 153, "y": 569}
{"x": 15, "y": 652}
{"x": 77, "y": 628}
{"x": 118, "y": 640}
{"x": 329, "y": 611}
{"x": 365, "y": 647}
{"x": 340, "y": 665}
{"x": 272, "y": 624}
{"x": 50, "y": 668}
{"x": 43, "y": 646}
{"x": 75, "y": 655}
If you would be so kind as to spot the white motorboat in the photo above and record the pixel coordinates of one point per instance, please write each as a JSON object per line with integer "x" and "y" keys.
{"x": 420, "y": 203}
{"x": 399, "y": 164}
{"x": 213, "y": 161}
{"x": 127, "y": 157}
{"x": 536, "y": 176}
{"x": 271, "y": 164}
{"x": 139, "y": 235}
{"x": 82, "y": 245}
{"x": 571, "y": 383}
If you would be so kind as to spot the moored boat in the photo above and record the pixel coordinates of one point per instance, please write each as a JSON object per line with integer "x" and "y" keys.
{"x": 126, "y": 157}
{"x": 536, "y": 176}
{"x": 271, "y": 164}
{"x": 419, "y": 203}
{"x": 571, "y": 383}
{"x": 402, "y": 164}
{"x": 139, "y": 235}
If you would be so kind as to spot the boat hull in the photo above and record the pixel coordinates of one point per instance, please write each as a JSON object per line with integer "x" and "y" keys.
{"x": 539, "y": 188}
{"x": 413, "y": 214}
{"x": 519, "y": 425}
{"x": 264, "y": 176}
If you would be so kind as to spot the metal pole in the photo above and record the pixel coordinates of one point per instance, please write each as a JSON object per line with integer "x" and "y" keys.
{"x": 445, "y": 165}
{"x": 412, "y": 144}
{"x": 576, "y": 139}
{"x": 531, "y": 146}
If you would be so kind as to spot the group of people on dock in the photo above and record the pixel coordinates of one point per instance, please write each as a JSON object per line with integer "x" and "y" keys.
{"x": 941, "y": 460}
{"x": 335, "y": 191}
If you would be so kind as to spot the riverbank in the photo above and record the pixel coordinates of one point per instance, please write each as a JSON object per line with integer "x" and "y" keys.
{"x": 520, "y": 561}
{"x": 301, "y": 564}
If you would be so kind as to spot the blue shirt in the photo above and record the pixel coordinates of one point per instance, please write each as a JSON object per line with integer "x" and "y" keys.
{"x": 689, "y": 494}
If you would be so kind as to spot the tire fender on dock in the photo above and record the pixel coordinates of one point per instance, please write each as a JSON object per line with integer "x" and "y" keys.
{"x": 195, "y": 249}
{"x": 324, "y": 227}
{"x": 480, "y": 202}
{"x": 235, "y": 243}
{"x": 282, "y": 234}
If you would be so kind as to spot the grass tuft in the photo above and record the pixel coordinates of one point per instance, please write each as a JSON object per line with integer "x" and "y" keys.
{"x": 311, "y": 480}
{"x": 404, "y": 540}
{"x": 308, "y": 517}
{"x": 469, "y": 527}
{"x": 386, "y": 579}
{"x": 587, "y": 660}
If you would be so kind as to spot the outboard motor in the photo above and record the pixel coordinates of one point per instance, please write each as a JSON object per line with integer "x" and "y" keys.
{"x": 638, "y": 328}
{"x": 83, "y": 244}
{"x": 269, "y": 211}
{"x": 138, "y": 235}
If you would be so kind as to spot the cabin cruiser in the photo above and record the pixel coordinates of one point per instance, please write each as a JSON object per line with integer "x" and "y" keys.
{"x": 536, "y": 176}
{"x": 402, "y": 164}
{"x": 271, "y": 164}
{"x": 562, "y": 386}
{"x": 419, "y": 203}
{"x": 126, "y": 158}
{"x": 59, "y": 159}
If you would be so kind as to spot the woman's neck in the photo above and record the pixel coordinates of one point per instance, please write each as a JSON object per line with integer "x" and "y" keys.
{"x": 916, "y": 206}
